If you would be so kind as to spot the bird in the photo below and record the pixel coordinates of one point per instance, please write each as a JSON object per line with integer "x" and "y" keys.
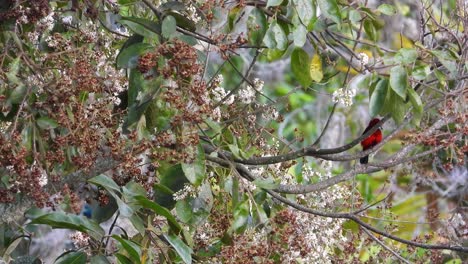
{"x": 371, "y": 140}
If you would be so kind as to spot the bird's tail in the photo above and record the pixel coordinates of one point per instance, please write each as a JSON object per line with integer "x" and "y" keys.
{"x": 364, "y": 160}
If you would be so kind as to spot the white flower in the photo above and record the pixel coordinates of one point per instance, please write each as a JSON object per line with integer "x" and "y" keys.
{"x": 193, "y": 14}
{"x": 363, "y": 58}
{"x": 216, "y": 114}
{"x": 344, "y": 96}
{"x": 258, "y": 84}
{"x": 188, "y": 190}
{"x": 43, "y": 179}
{"x": 247, "y": 95}
{"x": 79, "y": 239}
{"x": 67, "y": 20}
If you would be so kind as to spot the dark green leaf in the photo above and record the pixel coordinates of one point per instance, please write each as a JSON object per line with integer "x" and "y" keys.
{"x": 257, "y": 25}
{"x": 377, "y": 99}
{"x": 417, "y": 105}
{"x": 147, "y": 24}
{"x": 183, "y": 21}
{"x": 397, "y": 107}
{"x": 72, "y": 258}
{"x": 132, "y": 248}
{"x": 123, "y": 259}
{"x": 135, "y": 85}
{"x": 169, "y": 26}
{"x": 172, "y": 179}
{"x": 128, "y": 57}
{"x": 330, "y": 10}
{"x": 399, "y": 80}
{"x": 70, "y": 221}
{"x": 142, "y": 102}
{"x": 145, "y": 28}
{"x": 105, "y": 182}
{"x": 143, "y": 201}
{"x": 370, "y": 29}
{"x": 300, "y": 65}
{"x": 99, "y": 259}
{"x": 184, "y": 251}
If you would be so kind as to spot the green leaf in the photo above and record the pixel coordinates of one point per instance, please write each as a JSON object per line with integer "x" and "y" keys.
{"x": 135, "y": 85}
{"x": 132, "y": 248}
{"x": 105, "y": 182}
{"x": 46, "y": 123}
{"x": 108, "y": 184}
{"x": 267, "y": 184}
{"x": 73, "y": 258}
{"x": 169, "y": 26}
{"x": 123, "y": 259}
{"x": 399, "y": 80}
{"x": 406, "y": 55}
{"x": 141, "y": 26}
{"x": 124, "y": 209}
{"x": 142, "y": 102}
{"x": 184, "y": 210}
{"x": 300, "y": 66}
{"x": 195, "y": 171}
{"x": 420, "y": 72}
{"x": 143, "y": 201}
{"x": 241, "y": 215}
{"x": 128, "y": 57}
{"x": 275, "y": 37}
{"x": 274, "y": 2}
{"x": 184, "y": 251}
{"x": 13, "y": 71}
{"x": 397, "y": 107}
{"x": 172, "y": 179}
{"x": 447, "y": 60}
{"x": 257, "y": 25}
{"x": 417, "y": 106}
{"x": 99, "y": 259}
{"x": 305, "y": 10}
{"x": 300, "y": 36}
{"x": 330, "y": 10}
{"x": 70, "y": 221}
{"x": 387, "y": 9}
{"x": 354, "y": 16}
{"x": 18, "y": 94}
{"x": 183, "y": 21}
{"x": 377, "y": 99}
{"x": 370, "y": 30}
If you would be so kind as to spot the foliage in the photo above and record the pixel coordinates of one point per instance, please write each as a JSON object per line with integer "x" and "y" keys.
{"x": 149, "y": 130}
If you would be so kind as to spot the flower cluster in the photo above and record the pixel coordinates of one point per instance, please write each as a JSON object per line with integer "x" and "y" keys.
{"x": 188, "y": 190}
{"x": 80, "y": 239}
{"x": 247, "y": 95}
{"x": 363, "y": 58}
{"x": 344, "y": 96}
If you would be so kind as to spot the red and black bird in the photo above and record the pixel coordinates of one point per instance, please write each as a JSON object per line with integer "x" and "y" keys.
{"x": 372, "y": 140}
